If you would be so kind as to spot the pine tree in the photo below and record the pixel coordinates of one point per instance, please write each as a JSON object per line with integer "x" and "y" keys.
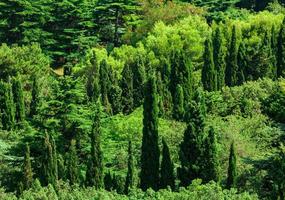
{"x": 50, "y": 161}
{"x": 35, "y": 97}
{"x": 232, "y": 170}
{"x": 27, "y": 171}
{"x": 18, "y": 99}
{"x": 105, "y": 86}
{"x": 219, "y": 55}
{"x": 94, "y": 173}
{"x": 108, "y": 181}
{"x": 281, "y": 51}
{"x": 150, "y": 150}
{"x": 178, "y": 104}
{"x": 242, "y": 64}
{"x": 72, "y": 164}
{"x": 209, "y": 74}
{"x": 211, "y": 166}
{"x": 127, "y": 90}
{"x": 167, "y": 177}
{"x": 7, "y": 106}
{"x": 130, "y": 174}
{"x": 232, "y": 62}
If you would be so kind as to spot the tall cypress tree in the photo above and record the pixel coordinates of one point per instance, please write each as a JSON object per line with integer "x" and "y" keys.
{"x": 232, "y": 62}
{"x": 211, "y": 166}
{"x": 232, "y": 170}
{"x": 178, "y": 104}
{"x": 209, "y": 74}
{"x": 7, "y": 106}
{"x": 50, "y": 161}
{"x": 72, "y": 164}
{"x": 281, "y": 51}
{"x": 274, "y": 43}
{"x": 108, "y": 181}
{"x": 18, "y": 99}
{"x": 35, "y": 97}
{"x": 219, "y": 54}
{"x": 242, "y": 64}
{"x": 105, "y": 86}
{"x": 94, "y": 173}
{"x": 167, "y": 177}
{"x": 127, "y": 89}
{"x": 150, "y": 150}
{"x": 92, "y": 82}
{"x": 138, "y": 71}
{"x": 27, "y": 171}
{"x": 130, "y": 174}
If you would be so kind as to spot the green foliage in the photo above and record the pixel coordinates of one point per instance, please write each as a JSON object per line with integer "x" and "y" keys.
{"x": 127, "y": 90}
{"x": 178, "y": 104}
{"x": 27, "y": 169}
{"x": 36, "y": 99}
{"x": 281, "y": 50}
{"x": 72, "y": 164}
{"x": 18, "y": 97}
{"x": 130, "y": 174}
{"x": 232, "y": 169}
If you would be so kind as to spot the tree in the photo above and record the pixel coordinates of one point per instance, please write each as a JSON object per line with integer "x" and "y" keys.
{"x": 167, "y": 177}
{"x": 232, "y": 170}
{"x": 150, "y": 150}
{"x": 108, "y": 181}
{"x": 72, "y": 164}
{"x": 127, "y": 89}
{"x": 92, "y": 82}
{"x": 281, "y": 51}
{"x": 27, "y": 170}
{"x": 219, "y": 55}
{"x": 130, "y": 174}
{"x": 94, "y": 173}
{"x": 242, "y": 64}
{"x": 50, "y": 161}
{"x": 18, "y": 99}
{"x": 211, "y": 167}
{"x": 105, "y": 85}
{"x": 232, "y": 65}
{"x": 178, "y": 104}
{"x": 35, "y": 102}
{"x": 138, "y": 71}
{"x": 209, "y": 74}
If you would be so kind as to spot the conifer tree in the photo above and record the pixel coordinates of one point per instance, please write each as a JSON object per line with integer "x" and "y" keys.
{"x": 108, "y": 181}
{"x": 50, "y": 161}
{"x": 27, "y": 171}
{"x": 92, "y": 83}
{"x": 105, "y": 85}
{"x": 127, "y": 89}
{"x": 211, "y": 167}
{"x": 35, "y": 97}
{"x": 72, "y": 164}
{"x": 274, "y": 40}
{"x": 150, "y": 150}
{"x": 7, "y": 106}
{"x": 18, "y": 99}
{"x": 266, "y": 68}
{"x": 130, "y": 174}
{"x": 209, "y": 75}
{"x": 178, "y": 104}
{"x": 219, "y": 54}
{"x": 242, "y": 64}
{"x": 167, "y": 177}
{"x": 232, "y": 170}
{"x": 94, "y": 173}
{"x": 281, "y": 51}
{"x": 138, "y": 71}
{"x": 232, "y": 65}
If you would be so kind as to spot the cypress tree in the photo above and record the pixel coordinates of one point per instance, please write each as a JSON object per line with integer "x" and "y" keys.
{"x": 127, "y": 89}
{"x": 242, "y": 64}
{"x": 108, "y": 181}
{"x": 232, "y": 170}
{"x": 72, "y": 164}
{"x": 150, "y": 150}
{"x": 209, "y": 75}
{"x": 27, "y": 171}
{"x": 50, "y": 161}
{"x": 92, "y": 83}
{"x": 35, "y": 97}
{"x": 274, "y": 48}
{"x": 18, "y": 99}
{"x": 138, "y": 81}
{"x": 167, "y": 177}
{"x": 232, "y": 66}
{"x": 7, "y": 106}
{"x": 94, "y": 173}
{"x": 178, "y": 101}
{"x": 281, "y": 51}
{"x": 105, "y": 85}
{"x": 266, "y": 63}
{"x": 211, "y": 167}
{"x": 130, "y": 174}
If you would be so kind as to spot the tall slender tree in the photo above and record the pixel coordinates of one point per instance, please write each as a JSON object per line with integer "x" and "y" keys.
{"x": 178, "y": 104}
{"x": 130, "y": 174}
{"x": 150, "y": 150}
{"x": 72, "y": 164}
{"x": 281, "y": 51}
{"x": 138, "y": 71}
{"x": 94, "y": 173}
{"x": 105, "y": 85}
{"x": 27, "y": 170}
{"x": 35, "y": 97}
{"x": 167, "y": 177}
{"x": 232, "y": 169}
{"x": 7, "y": 106}
{"x": 18, "y": 99}
{"x": 242, "y": 64}
{"x": 127, "y": 89}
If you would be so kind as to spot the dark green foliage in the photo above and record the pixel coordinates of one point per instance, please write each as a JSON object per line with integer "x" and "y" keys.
{"x": 232, "y": 169}
{"x": 167, "y": 177}
{"x": 92, "y": 83}
{"x": 105, "y": 85}
{"x": 219, "y": 54}
{"x": 127, "y": 89}
{"x": 27, "y": 170}
{"x": 35, "y": 102}
{"x": 72, "y": 164}
{"x": 19, "y": 100}
{"x": 115, "y": 99}
{"x": 150, "y": 150}
{"x": 118, "y": 184}
{"x": 211, "y": 166}
{"x": 209, "y": 74}
{"x": 50, "y": 161}
{"x": 281, "y": 51}
{"x": 232, "y": 62}
{"x": 274, "y": 45}
{"x": 7, "y": 106}
{"x": 130, "y": 174}
{"x": 242, "y": 64}
{"x": 94, "y": 173}
{"x": 138, "y": 71}
{"x": 108, "y": 181}
{"x": 178, "y": 104}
